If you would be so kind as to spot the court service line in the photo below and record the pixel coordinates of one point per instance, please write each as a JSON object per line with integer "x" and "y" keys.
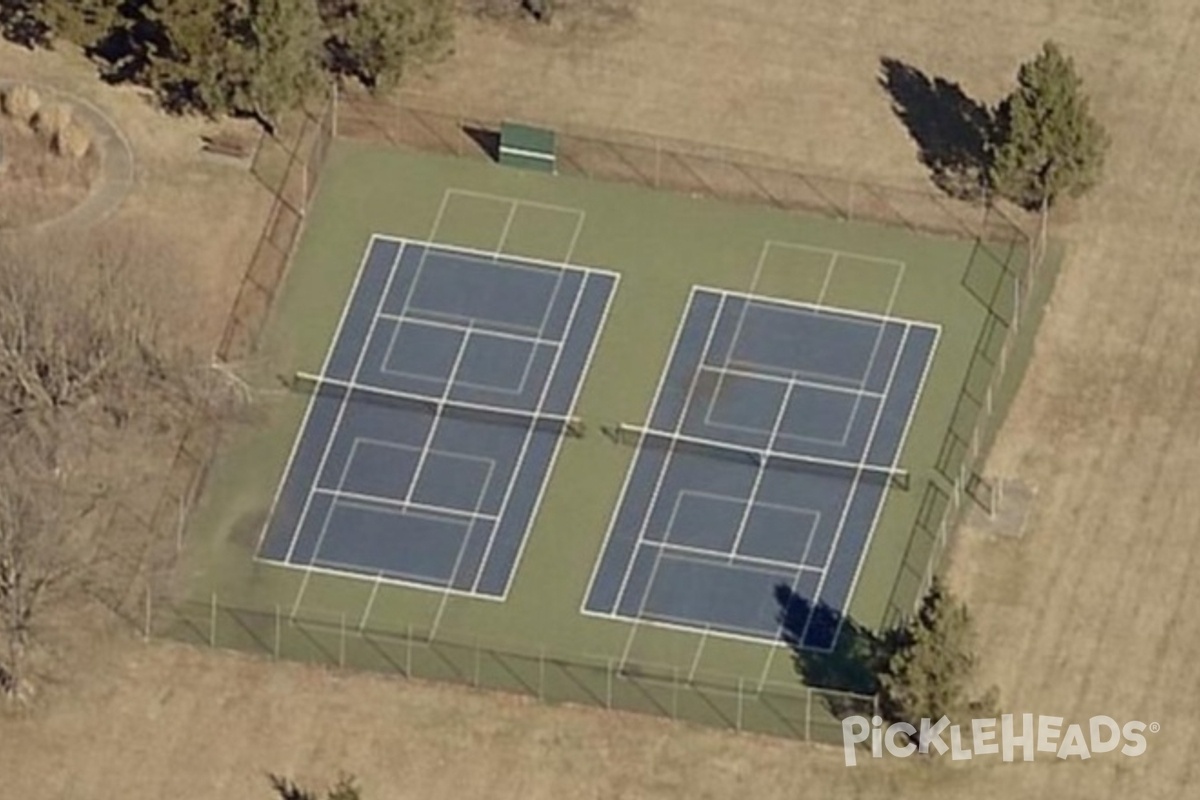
{"x": 760, "y": 472}
{"x": 435, "y": 423}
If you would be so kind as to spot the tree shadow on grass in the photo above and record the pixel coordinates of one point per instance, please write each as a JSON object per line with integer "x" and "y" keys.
{"x": 953, "y": 131}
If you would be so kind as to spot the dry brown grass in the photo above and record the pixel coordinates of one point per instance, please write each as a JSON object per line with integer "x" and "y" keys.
{"x": 37, "y": 184}
{"x": 1092, "y": 612}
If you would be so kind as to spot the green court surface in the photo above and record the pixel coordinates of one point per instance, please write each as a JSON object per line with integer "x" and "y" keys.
{"x": 536, "y": 641}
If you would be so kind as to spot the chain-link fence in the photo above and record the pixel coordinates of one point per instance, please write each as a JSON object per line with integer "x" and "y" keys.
{"x": 287, "y": 163}
{"x": 725, "y": 701}
{"x": 1006, "y": 273}
{"x": 693, "y": 168}
{"x": 1013, "y": 287}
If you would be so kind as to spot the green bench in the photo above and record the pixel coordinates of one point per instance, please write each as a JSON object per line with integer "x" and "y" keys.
{"x": 526, "y": 147}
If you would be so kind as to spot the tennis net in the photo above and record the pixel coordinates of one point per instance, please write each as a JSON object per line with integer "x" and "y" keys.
{"x": 570, "y": 425}
{"x": 759, "y": 457}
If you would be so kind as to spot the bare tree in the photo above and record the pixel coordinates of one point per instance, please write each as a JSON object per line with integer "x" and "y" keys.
{"x": 93, "y": 383}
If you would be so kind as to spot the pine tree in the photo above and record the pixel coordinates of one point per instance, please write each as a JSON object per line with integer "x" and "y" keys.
{"x": 1050, "y": 145}
{"x": 931, "y": 663}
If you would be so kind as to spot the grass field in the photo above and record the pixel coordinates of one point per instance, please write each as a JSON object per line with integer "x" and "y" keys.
{"x": 1091, "y": 612}
{"x": 661, "y": 244}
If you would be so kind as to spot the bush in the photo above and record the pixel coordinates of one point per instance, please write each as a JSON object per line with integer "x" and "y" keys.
{"x": 51, "y": 119}
{"x": 73, "y": 140}
{"x": 21, "y": 103}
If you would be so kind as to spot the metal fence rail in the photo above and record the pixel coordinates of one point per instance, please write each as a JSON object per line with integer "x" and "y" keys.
{"x": 732, "y": 702}
{"x": 693, "y": 168}
{"x": 289, "y": 165}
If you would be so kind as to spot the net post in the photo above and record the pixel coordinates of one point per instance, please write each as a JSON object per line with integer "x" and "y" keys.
{"x": 278, "y": 630}
{"x": 212, "y": 621}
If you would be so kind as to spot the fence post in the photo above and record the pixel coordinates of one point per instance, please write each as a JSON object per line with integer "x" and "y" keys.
{"x": 674, "y": 692}
{"x": 408, "y": 644}
{"x": 542, "y": 673}
{"x": 808, "y": 715}
{"x": 149, "y": 623}
{"x": 342, "y": 643}
{"x": 212, "y": 622}
{"x": 476, "y": 681}
{"x": 740, "y": 696}
{"x": 278, "y": 630}
{"x": 608, "y": 682}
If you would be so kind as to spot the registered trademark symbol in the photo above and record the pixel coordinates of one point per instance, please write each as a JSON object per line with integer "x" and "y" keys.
{"x": 1155, "y": 727}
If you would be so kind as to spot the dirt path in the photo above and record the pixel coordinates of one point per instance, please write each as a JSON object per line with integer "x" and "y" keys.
{"x": 1088, "y": 614}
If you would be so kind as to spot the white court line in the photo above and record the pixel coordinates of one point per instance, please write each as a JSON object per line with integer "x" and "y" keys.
{"x": 342, "y": 405}
{"x": 527, "y": 262}
{"x": 401, "y": 373}
{"x": 665, "y": 466}
{"x": 537, "y": 504}
{"x": 740, "y": 502}
{"x": 662, "y": 473}
{"x": 875, "y": 347}
{"x": 450, "y": 326}
{"x": 360, "y": 497}
{"x": 824, "y": 310}
{"x": 786, "y": 381}
{"x": 849, "y": 502}
{"x": 437, "y": 224}
{"x": 462, "y": 549}
{"x": 529, "y": 434}
{"x": 425, "y": 400}
{"x": 355, "y": 572}
{"x": 828, "y": 278}
{"x": 760, "y": 472}
{"x": 735, "y": 559}
{"x": 912, "y": 412}
{"x": 689, "y": 627}
{"x": 710, "y": 422}
{"x": 337, "y": 334}
{"x": 662, "y": 381}
{"x": 435, "y": 423}
{"x": 523, "y": 201}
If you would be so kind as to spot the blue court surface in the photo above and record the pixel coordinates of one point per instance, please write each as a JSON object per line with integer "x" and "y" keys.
{"x": 759, "y": 477}
{"x": 434, "y": 425}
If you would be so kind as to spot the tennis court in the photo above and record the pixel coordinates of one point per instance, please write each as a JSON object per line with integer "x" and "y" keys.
{"x": 437, "y": 416}
{"x": 771, "y": 444}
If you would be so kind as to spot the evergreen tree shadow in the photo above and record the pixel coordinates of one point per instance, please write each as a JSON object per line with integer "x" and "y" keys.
{"x": 829, "y": 650}
{"x": 953, "y": 131}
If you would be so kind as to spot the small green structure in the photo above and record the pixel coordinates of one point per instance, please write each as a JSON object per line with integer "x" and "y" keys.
{"x": 527, "y": 147}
